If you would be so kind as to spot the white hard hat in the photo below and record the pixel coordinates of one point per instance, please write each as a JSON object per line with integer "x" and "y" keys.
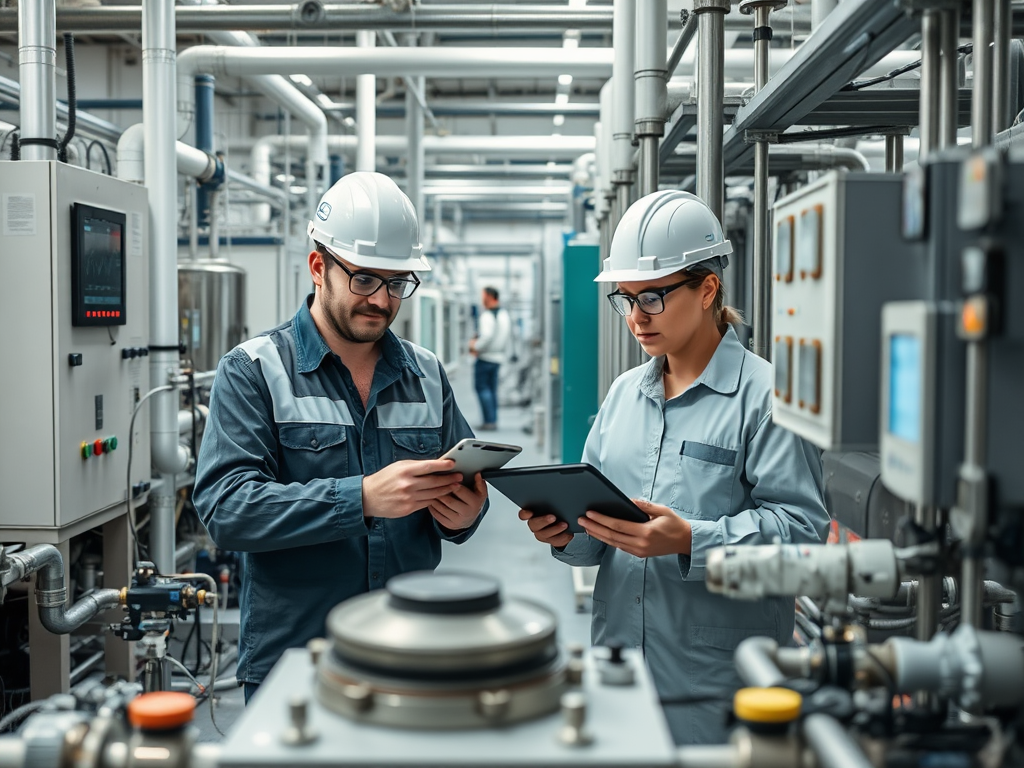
{"x": 369, "y": 221}
{"x": 662, "y": 233}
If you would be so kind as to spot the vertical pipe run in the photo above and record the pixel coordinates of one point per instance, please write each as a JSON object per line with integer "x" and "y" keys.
{"x": 1002, "y": 22}
{"x": 949, "y": 118}
{"x": 204, "y": 86}
{"x": 929, "y": 590}
{"x": 981, "y": 104}
{"x": 37, "y": 66}
{"x": 710, "y": 98}
{"x": 894, "y": 153}
{"x": 624, "y": 31}
{"x": 931, "y": 40}
{"x": 414, "y": 157}
{"x": 972, "y": 473}
{"x": 651, "y": 87}
{"x": 161, "y": 170}
{"x": 762, "y": 327}
{"x": 366, "y": 110}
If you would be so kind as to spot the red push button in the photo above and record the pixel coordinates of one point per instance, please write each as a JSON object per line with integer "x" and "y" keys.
{"x": 97, "y": 447}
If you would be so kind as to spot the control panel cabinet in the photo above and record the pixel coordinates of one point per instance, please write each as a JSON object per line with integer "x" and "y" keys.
{"x": 837, "y": 258}
{"x": 75, "y": 309}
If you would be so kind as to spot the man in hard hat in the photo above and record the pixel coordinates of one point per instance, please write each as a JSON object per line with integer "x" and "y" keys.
{"x": 320, "y": 458}
{"x": 689, "y": 435}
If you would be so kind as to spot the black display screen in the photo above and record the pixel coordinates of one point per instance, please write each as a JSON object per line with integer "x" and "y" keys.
{"x": 98, "y": 266}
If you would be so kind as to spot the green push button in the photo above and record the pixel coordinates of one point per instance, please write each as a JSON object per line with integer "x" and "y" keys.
{"x": 86, "y": 450}
{"x": 110, "y": 444}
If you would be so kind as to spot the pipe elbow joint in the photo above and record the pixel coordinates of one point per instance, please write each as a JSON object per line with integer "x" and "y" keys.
{"x": 217, "y": 173}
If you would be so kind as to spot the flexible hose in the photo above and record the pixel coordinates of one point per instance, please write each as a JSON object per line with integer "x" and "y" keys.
{"x": 69, "y": 55}
{"x": 12, "y": 720}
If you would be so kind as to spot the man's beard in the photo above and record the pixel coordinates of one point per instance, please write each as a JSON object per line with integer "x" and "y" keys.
{"x": 341, "y": 321}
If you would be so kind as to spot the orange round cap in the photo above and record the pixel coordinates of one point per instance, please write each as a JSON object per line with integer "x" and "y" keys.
{"x": 161, "y": 710}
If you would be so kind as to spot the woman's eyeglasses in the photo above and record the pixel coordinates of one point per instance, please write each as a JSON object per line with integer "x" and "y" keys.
{"x": 650, "y": 302}
{"x": 363, "y": 283}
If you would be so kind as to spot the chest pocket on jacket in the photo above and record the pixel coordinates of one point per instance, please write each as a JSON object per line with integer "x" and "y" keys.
{"x": 706, "y": 479}
{"x": 315, "y": 450}
{"x": 416, "y": 443}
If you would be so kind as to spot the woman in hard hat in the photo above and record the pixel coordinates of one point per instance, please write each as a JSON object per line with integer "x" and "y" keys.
{"x": 689, "y": 434}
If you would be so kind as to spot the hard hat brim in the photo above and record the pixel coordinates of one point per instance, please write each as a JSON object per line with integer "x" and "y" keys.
{"x": 378, "y": 262}
{"x": 634, "y": 275}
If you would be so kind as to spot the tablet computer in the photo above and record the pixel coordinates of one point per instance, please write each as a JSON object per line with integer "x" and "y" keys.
{"x": 472, "y": 455}
{"x": 566, "y": 491}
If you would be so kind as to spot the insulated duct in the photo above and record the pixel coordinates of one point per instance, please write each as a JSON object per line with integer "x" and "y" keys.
{"x": 37, "y": 60}
{"x": 623, "y": 89}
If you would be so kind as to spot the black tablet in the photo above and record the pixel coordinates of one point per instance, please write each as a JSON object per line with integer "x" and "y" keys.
{"x": 566, "y": 491}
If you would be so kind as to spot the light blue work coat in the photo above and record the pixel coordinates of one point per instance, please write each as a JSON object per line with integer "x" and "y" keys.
{"x": 713, "y": 455}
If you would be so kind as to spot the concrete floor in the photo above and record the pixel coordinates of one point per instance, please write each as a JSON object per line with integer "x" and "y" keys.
{"x": 502, "y": 547}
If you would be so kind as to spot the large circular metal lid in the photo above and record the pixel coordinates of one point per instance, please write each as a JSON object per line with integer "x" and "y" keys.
{"x": 427, "y": 623}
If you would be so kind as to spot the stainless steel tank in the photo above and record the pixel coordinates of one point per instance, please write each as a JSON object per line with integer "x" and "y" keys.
{"x": 441, "y": 650}
{"x": 211, "y": 310}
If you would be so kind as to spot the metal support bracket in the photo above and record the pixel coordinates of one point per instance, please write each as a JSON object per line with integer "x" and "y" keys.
{"x": 756, "y": 136}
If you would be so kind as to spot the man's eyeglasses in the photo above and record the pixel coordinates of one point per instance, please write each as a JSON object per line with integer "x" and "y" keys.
{"x": 364, "y": 283}
{"x": 651, "y": 301}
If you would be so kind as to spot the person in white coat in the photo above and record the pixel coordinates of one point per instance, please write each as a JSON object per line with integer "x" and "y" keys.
{"x": 690, "y": 436}
{"x": 490, "y": 348}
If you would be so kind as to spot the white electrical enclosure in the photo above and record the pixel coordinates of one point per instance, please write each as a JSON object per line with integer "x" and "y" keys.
{"x": 73, "y": 344}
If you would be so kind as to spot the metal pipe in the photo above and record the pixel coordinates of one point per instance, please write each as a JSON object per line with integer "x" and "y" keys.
{"x": 686, "y": 35}
{"x": 335, "y": 17}
{"x": 831, "y": 743}
{"x": 894, "y": 153}
{"x": 395, "y": 62}
{"x": 651, "y": 87}
{"x": 159, "y": 121}
{"x": 929, "y": 588}
{"x": 762, "y": 267}
{"x": 37, "y": 66}
{"x": 51, "y": 592}
{"x": 982, "y": 101}
{"x": 931, "y": 46}
{"x": 415, "y": 156}
{"x": 204, "y": 140}
{"x": 87, "y": 125}
{"x": 710, "y": 97}
{"x": 755, "y": 662}
{"x": 366, "y": 109}
{"x": 949, "y": 78}
{"x": 1002, "y": 23}
{"x": 649, "y": 166}
{"x": 623, "y": 92}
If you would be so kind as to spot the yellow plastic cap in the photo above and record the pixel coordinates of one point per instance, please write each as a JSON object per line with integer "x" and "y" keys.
{"x": 767, "y": 705}
{"x": 161, "y": 710}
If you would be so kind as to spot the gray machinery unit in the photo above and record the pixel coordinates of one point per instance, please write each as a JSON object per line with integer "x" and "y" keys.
{"x": 212, "y": 307}
{"x": 74, "y": 298}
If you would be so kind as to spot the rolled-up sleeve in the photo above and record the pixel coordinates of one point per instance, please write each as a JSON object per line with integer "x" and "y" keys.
{"x": 455, "y": 428}
{"x": 237, "y": 494}
{"x": 785, "y": 472}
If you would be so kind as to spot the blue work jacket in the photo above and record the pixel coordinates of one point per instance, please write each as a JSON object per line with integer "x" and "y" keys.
{"x": 713, "y": 455}
{"x": 280, "y": 478}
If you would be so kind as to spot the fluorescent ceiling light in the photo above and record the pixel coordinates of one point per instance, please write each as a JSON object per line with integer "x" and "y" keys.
{"x": 298, "y": 190}
{"x": 565, "y": 79}
{"x": 301, "y": 80}
{"x": 571, "y": 42}
{"x": 559, "y": 121}
{"x": 561, "y": 98}
{"x": 324, "y": 99}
